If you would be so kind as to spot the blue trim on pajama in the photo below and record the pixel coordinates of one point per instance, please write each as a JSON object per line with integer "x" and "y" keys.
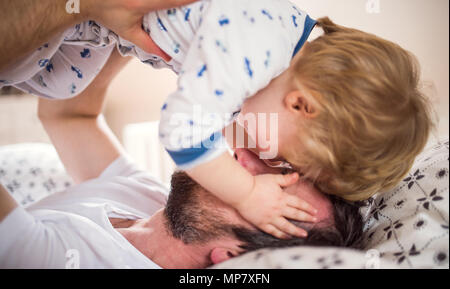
{"x": 309, "y": 26}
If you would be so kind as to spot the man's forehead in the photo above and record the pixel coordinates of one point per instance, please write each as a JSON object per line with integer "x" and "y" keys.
{"x": 320, "y": 201}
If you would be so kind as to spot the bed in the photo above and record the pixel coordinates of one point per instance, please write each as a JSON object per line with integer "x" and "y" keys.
{"x": 406, "y": 227}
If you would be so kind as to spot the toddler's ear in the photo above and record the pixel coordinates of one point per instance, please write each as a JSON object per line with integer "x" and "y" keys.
{"x": 298, "y": 104}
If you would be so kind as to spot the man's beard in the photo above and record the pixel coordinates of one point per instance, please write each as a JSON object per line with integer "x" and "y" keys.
{"x": 192, "y": 214}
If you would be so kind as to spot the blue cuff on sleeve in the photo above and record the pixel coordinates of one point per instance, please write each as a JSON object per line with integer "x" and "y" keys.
{"x": 309, "y": 26}
{"x": 190, "y": 157}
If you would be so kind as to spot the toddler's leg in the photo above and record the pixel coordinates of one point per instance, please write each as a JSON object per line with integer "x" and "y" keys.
{"x": 68, "y": 72}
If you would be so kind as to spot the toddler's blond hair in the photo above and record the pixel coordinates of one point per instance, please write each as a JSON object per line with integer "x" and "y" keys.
{"x": 371, "y": 119}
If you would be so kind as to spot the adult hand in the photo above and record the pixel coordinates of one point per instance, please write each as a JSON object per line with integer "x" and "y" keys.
{"x": 124, "y": 17}
{"x": 26, "y": 25}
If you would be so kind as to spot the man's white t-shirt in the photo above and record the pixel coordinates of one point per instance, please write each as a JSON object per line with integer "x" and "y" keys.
{"x": 71, "y": 229}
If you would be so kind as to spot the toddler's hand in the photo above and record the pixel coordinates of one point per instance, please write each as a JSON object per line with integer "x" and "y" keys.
{"x": 268, "y": 207}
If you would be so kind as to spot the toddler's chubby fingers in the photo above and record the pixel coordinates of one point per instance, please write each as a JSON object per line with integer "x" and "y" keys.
{"x": 297, "y": 203}
{"x": 287, "y": 180}
{"x": 297, "y": 215}
{"x": 289, "y": 228}
{"x": 274, "y": 231}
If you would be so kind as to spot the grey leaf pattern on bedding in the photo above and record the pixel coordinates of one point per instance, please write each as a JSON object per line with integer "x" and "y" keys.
{"x": 30, "y": 172}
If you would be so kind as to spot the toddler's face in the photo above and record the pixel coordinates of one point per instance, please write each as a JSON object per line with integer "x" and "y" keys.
{"x": 268, "y": 120}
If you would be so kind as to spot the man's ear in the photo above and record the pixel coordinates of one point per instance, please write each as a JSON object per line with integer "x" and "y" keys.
{"x": 219, "y": 255}
{"x": 297, "y": 103}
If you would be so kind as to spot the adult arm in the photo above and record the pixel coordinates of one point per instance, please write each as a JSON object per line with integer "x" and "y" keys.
{"x": 77, "y": 129}
{"x": 25, "y": 25}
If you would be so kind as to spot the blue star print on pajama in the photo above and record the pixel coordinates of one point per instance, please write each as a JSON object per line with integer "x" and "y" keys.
{"x": 223, "y": 52}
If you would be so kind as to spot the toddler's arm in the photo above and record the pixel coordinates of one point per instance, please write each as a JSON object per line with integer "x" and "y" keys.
{"x": 259, "y": 199}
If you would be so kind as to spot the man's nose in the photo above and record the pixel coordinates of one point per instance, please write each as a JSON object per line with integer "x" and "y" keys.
{"x": 239, "y": 155}
{"x": 246, "y": 160}
{"x": 252, "y": 163}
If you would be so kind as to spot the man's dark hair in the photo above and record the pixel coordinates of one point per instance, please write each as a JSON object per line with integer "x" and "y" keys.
{"x": 190, "y": 219}
{"x": 345, "y": 231}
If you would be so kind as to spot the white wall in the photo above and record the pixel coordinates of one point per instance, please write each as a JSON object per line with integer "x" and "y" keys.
{"x": 137, "y": 94}
{"x": 421, "y": 26}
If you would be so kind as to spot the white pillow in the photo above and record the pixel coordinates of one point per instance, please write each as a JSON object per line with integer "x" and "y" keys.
{"x": 31, "y": 172}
